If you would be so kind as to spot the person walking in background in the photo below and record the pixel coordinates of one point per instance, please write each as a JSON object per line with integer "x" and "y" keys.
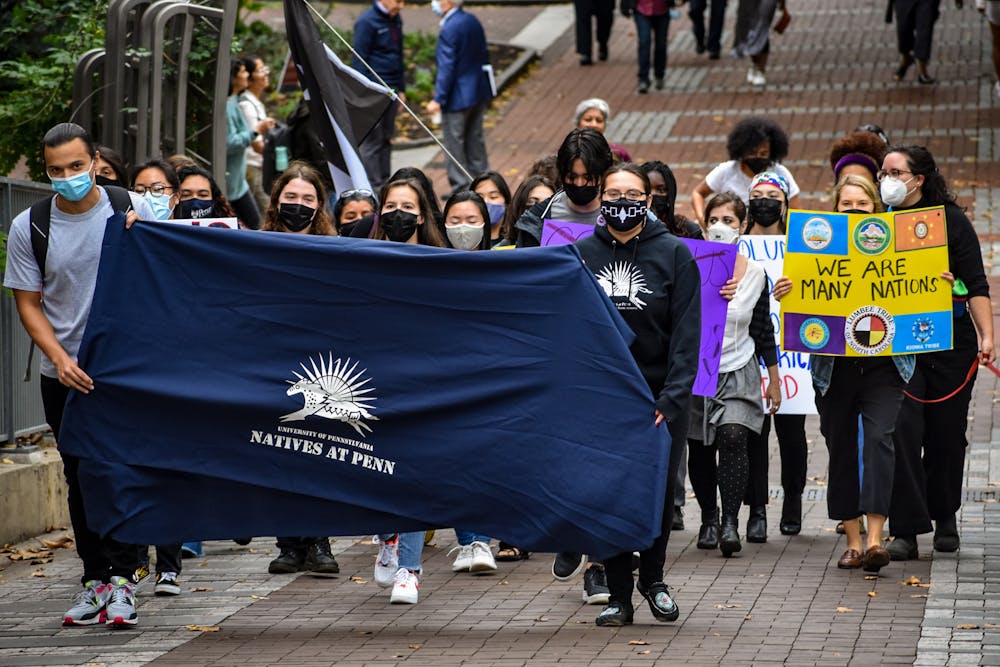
{"x": 378, "y": 41}
{"x": 462, "y": 90}
{"x": 652, "y": 20}
{"x": 717, "y": 16}
{"x": 586, "y": 10}
{"x": 239, "y": 136}
{"x": 254, "y": 112}
{"x": 753, "y": 35}
{"x": 915, "y": 21}
{"x": 991, "y": 10}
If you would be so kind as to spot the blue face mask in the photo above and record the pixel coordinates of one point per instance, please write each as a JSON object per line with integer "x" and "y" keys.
{"x": 496, "y": 213}
{"x": 159, "y": 203}
{"x": 74, "y": 188}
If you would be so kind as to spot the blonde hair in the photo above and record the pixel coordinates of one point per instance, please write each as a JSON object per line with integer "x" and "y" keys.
{"x": 861, "y": 182}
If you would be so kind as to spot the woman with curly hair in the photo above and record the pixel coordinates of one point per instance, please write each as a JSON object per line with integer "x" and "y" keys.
{"x": 859, "y": 153}
{"x": 754, "y": 144}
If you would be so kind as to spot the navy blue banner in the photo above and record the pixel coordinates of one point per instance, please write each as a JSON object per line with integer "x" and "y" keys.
{"x": 252, "y": 383}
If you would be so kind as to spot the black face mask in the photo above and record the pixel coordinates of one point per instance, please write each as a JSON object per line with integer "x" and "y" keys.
{"x": 399, "y": 225}
{"x": 623, "y": 215}
{"x": 193, "y": 208}
{"x": 765, "y": 212}
{"x": 581, "y": 195}
{"x": 661, "y": 207}
{"x": 104, "y": 180}
{"x": 757, "y": 164}
{"x": 856, "y": 210}
{"x": 295, "y": 217}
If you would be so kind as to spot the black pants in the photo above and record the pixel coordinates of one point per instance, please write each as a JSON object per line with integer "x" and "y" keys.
{"x": 298, "y": 544}
{"x": 915, "y": 26}
{"x": 729, "y": 475}
{"x": 168, "y": 557}
{"x": 102, "y": 557}
{"x": 376, "y": 148}
{"x": 246, "y": 210}
{"x": 604, "y": 11}
{"x": 717, "y": 16}
{"x": 651, "y": 561}
{"x": 908, "y": 513}
{"x": 873, "y": 389}
{"x": 792, "y": 447}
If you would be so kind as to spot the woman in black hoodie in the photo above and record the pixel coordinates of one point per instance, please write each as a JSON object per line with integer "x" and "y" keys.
{"x": 653, "y": 281}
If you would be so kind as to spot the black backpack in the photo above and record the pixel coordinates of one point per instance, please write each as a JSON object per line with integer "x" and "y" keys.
{"x": 279, "y": 135}
{"x": 41, "y": 219}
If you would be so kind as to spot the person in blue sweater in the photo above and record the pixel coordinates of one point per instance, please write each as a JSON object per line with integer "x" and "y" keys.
{"x": 238, "y": 137}
{"x": 462, "y": 90}
{"x": 378, "y": 41}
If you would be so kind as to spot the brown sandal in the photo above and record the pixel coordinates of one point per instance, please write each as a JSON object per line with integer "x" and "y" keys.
{"x": 508, "y": 553}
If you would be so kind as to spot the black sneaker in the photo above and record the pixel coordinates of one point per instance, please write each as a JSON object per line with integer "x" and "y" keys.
{"x": 678, "y": 523}
{"x": 946, "y": 534}
{"x": 660, "y": 603}
{"x": 287, "y": 562}
{"x": 568, "y": 564}
{"x": 615, "y": 615}
{"x": 903, "y": 547}
{"x": 595, "y": 586}
{"x": 319, "y": 560}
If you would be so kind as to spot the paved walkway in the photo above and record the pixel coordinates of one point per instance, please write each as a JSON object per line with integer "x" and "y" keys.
{"x": 780, "y": 602}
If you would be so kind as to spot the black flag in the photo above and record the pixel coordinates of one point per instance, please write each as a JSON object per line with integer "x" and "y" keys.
{"x": 344, "y": 106}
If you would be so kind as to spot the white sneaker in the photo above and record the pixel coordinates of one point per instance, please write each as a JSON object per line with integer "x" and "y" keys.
{"x": 463, "y": 561}
{"x": 750, "y": 74}
{"x": 757, "y": 78}
{"x": 120, "y": 611}
{"x": 89, "y": 604}
{"x": 167, "y": 584}
{"x": 405, "y": 587}
{"x": 996, "y": 88}
{"x": 387, "y": 562}
{"x": 482, "y": 558}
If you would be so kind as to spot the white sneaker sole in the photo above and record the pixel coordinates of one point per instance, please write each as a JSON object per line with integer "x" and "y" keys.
{"x": 162, "y": 590}
{"x": 121, "y": 622}
{"x": 483, "y": 566}
{"x": 403, "y": 599}
{"x": 597, "y": 598}
{"x": 461, "y": 566}
{"x": 382, "y": 582}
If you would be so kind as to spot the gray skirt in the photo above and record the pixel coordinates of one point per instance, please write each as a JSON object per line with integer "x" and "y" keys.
{"x": 736, "y": 401}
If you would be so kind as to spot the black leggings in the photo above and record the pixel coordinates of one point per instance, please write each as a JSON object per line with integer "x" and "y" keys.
{"x": 730, "y": 475}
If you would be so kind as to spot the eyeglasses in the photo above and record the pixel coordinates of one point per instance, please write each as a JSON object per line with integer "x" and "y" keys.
{"x": 895, "y": 173}
{"x": 156, "y": 189}
{"x": 630, "y": 195}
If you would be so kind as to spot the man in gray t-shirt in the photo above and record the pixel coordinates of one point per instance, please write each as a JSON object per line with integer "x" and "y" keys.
{"x": 79, "y": 213}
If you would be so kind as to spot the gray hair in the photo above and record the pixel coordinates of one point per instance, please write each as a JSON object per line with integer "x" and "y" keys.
{"x": 592, "y": 103}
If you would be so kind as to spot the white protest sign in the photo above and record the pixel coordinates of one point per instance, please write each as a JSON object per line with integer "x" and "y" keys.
{"x": 229, "y": 223}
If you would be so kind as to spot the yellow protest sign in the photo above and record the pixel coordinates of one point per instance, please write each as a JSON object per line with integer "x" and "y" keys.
{"x": 867, "y": 284}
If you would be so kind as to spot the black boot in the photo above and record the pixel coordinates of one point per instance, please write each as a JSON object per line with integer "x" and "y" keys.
{"x": 288, "y": 561}
{"x": 791, "y": 515}
{"x": 946, "y": 534}
{"x": 729, "y": 536}
{"x": 319, "y": 560}
{"x": 757, "y": 525}
{"x": 708, "y": 535}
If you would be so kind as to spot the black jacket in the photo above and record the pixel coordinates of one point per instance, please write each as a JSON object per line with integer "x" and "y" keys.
{"x": 654, "y": 282}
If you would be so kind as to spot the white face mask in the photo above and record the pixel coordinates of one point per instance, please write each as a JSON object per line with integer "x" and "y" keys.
{"x": 720, "y": 232}
{"x": 436, "y": 7}
{"x": 893, "y": 190}
{"x": 464, "y": 236}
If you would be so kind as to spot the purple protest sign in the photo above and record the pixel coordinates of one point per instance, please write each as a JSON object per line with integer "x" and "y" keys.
{"x": 715, "y": 263}
{"x": 563, "y": 232}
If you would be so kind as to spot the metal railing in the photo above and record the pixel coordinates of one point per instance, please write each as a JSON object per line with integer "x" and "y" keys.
{"x": 20, "y": 402}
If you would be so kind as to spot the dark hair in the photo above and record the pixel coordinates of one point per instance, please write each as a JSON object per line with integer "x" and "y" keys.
{"x": 751, "y": 132}
{"x": 168, "y": 172}
{"x": 497, "y": 180}
{"x": 546, "y": 167}
{"x": 352, "y": 196}
{"x": 235, "y": 64}
{"x": 872, "y": 128}
{"x": 727, "y": 199}
{"x": 519, "y": 204}
{"x": 179, "y": 161}
{"x": 428, "y": 233}
{"x": 412, "y": 173}
{"x": 114, "y": 160}
{"x": 588, "y": 146}
{"x": 250, "y": 62}
{"x": 629, "y": 168}
{"x": 664, "y": 170}
{"x": 63, "y": 133}
{"x": 859, "y": 142}
{"x": 485, "y": 243}
{"x": 934, "y": 191}
{"x": 220, "y": 205}
{"x": 320, "y": 225}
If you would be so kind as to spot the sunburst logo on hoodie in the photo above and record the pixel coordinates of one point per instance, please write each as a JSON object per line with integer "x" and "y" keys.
{"x": 333, "y": 390}
{"x": 622, "y": 279}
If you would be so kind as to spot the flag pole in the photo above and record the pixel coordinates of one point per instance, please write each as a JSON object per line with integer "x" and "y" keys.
{"x": 395, "y": 94}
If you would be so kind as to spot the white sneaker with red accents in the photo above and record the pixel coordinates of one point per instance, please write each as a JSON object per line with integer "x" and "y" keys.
{"x": 405, "y": 587}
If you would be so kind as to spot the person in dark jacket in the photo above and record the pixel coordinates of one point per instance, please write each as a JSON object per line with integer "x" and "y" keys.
{"x": 652, "y": 279}
{"x": 378, "y": 41}
{"x": 462, "y": 90}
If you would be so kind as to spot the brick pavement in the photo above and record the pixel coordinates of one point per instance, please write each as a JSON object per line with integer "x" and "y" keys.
{"x": 775, "y": 603}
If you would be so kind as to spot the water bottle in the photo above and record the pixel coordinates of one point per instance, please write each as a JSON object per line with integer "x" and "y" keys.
{"x": 280, "y": 158}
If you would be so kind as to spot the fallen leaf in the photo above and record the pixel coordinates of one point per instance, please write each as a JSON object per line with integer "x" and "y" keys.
{"x": 7, "y": 461}
{"x": 359, "y": 580}
{"x": 504, "y": 583}
{"x": 637, "y": 642}
{"x": 871, "y": 577}
{"x": 748, "y": 617}
{"x": 912, "y": 581}
{"x": 716, "y": 634}
{"x": 991, "y": 625}
{"x": 413, "y": 646}
{"x": 919, "y": 595}
{"x": 61, "y": 542}
{"x": 967, "y": 626}
{"x": 646, "y": 652}
{"x": 988, "y": 500}
{"x": 992, "y": 483}
{"x": 843, "y": 610}
{"x": 259, "y": 597}
{"x": 541, "y": 619}
{"x": 872, "y": 594}
{"x": 202, "y": 628}
{"x": 727, "y": 606}
{"x": 204, "y": 564}
{"x": 201, "y": 589}
{"x": 38, "y": 574}
{"x": 584, "y": 622}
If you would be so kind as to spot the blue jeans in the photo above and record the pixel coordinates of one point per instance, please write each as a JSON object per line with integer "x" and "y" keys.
{"x": 466, "y": 537}
{"x": 657, "y": 25}
{"x": 411, "y": 548}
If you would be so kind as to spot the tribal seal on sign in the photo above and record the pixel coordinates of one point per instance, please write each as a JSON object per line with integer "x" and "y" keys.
{"x": 869, "y": 330}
